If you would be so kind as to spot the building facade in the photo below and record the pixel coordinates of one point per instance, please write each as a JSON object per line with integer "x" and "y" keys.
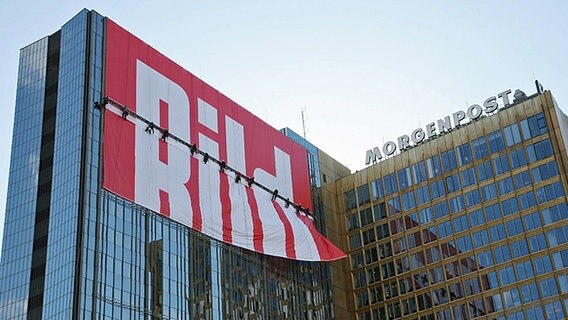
{"x": 324, "y": 170}
{"x": 72, "y": 250}
{"x": 472, "y": 223}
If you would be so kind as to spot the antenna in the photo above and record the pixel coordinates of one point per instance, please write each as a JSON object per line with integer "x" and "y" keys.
{"x": 304, "y": 121}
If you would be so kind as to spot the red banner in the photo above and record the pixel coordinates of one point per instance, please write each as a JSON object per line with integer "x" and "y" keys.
{"x": 163, "y": 175}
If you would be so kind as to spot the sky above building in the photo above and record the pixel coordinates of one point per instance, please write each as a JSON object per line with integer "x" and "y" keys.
{"x": 365, "y": 72}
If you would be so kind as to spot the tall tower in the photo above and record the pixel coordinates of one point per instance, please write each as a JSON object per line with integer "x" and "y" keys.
{"x": 74, "y": 250}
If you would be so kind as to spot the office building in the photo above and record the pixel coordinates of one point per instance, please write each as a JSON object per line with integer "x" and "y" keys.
{"x": 469, "y": 221}
{"x": 75, "y": 250}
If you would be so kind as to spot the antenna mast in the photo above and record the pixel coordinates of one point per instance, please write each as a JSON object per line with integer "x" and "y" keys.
{"x": 304, "y": 122}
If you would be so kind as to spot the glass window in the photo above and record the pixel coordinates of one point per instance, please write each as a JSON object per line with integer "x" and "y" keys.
{"x": 363, "y": 194}
{"x": 380, "y": 211}
{"x": 485, "y": 259}
{"x": 502, "y": 253}
{"x": 538, "y": 126}
{"x": 362, "y": 299}
{"x": 404, "y": 178}
{"x": 519, "y": 248}
{"x": 393, "y": 205}
{"x": 354, "y": 241}
{"x": 532, "y": 221}
{"x": 424, "y": 301}
{"x": 539, "y": 150}
{"x": 408, "y": 201}
{"x": 350, "y": 200}
{"x": 353, "y": 222}
{"x": 548, "y": 287}
{"x": 422, "y": 195}
{"x": 479, "y": 147}
{"x": 505, "y": 186}
{"x": 445, "y": 229}
{"x": 382, "y": 231}
{"x": 550, "y": 192}
{"x": 514, "y": 227}
{"x": 460, "y": 223}
{"x": 557, "y": 236}
{"x": 518, "y": 158}
{"x": 387, "y": 270}
{"x": 390, "y": 184}
{"x": 434, "y": 166}
{"x": 426, "y": 215}
{"x": 472, "y": 198}
{"x": 396, "y": 226}
{"x": 545, "y": 171}
{"x": 377, "y": 190}
{"x": 356, "y": 260}
{"x": 366, "y": 217}
{"x": 537, "y": 242}
{"x": 453, "y": 183}
{"x": 490, "y": 281}
{"x": 533, "y": 126}
{"x": 512, "y": 135}
{"x": 560, "y": 259}
{"x": 555, "y": 213}
{"x": 489, "y": 192}
{"x": 409, "y": 306}
{"x": 438, "y": 189}
{"x": 497, "y": 233}
{"x": 500, "y": 164}
{"x": 493, "y": 212}
{"x": 507, "y": 276}
{"x": 484, "y": 171}
{"x": 496, "y": 142}
{"x": 441, "y": 209}
{"x": 535, "y": 313}
{"x": 554, "y": 311}
{"x": 385, "y": 250}
{"x": 468, "y": 177}
{"x": 527, "y": 200}
{"x": 563, "y": 280}
{"x": 476, "y": 218}
{"x": 464, "y": 244}
{"x": 456, "y": 204}
{"x": 419, "y": 172}
{"x": 525, "y": 129}
{"x": 522, "y": 179}
{"x": 497, "y": 302}
{"x": 368, "y": 236}
{"x": 512, "y": 299}
{"x": 464, "y": 154}
{"x": 449, "y": 160}
{"x": 480, "y": 238}
{"x": 510, "y": 206}
{"x": 529, "y": 292}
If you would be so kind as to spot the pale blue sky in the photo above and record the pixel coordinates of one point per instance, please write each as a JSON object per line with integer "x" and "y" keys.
{"x": 365, "y": 71}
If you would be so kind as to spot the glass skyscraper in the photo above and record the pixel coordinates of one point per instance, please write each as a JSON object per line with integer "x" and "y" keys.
{"x": 472, "y": 223}
{"x": 75, "y": 251}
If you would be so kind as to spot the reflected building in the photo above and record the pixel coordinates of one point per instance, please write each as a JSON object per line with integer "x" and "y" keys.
{"x": 471, "y": 223}
{"x": 72, "y": 250}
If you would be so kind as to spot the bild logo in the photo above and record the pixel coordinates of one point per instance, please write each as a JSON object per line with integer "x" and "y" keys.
{"x": 158, "y": 170}
{"x": 163, "y": 171}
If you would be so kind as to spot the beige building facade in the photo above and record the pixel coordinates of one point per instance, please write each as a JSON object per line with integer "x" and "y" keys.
{"x": 471, "y": 223}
